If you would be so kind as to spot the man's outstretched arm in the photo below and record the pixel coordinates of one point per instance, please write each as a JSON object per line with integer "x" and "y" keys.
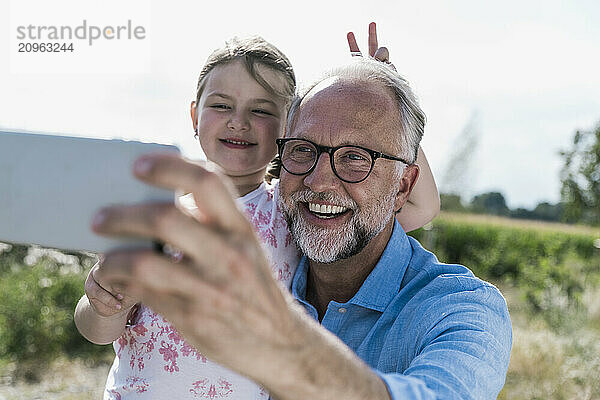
{"x": 221, "y": 296}
{"x": 461, "y": 343}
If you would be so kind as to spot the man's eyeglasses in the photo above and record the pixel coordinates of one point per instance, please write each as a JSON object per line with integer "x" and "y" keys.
{"x": 351, "y": 164}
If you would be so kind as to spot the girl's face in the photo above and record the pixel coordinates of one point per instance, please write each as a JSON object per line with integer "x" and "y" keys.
{"x": 238, "y": 120}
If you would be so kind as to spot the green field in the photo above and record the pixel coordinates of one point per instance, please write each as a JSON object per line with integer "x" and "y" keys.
{"x": 549, "y": 274}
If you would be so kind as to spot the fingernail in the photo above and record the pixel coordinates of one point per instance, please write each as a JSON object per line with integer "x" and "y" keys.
{"x": 118, "y": 306}
{"x": 99, "y": 219}
{"x": 142, "y": 166}
{"x": 120, "y": 296}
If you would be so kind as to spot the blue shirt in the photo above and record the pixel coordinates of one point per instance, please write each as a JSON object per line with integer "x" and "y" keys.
{"x": 429, "y": 330}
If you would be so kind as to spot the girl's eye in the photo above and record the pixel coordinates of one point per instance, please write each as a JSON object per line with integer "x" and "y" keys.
{"x": 259, "y": 111}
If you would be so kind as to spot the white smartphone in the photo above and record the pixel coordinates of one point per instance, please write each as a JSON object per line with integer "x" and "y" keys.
{"x": 51, "y": 186}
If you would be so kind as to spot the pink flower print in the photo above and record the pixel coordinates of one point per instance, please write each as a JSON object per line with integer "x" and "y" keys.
{"x": 268, "y": 237}
{"x": 139, "y": 385}
{"x": 175, "y": 336}
{"x": 250, "y": 210}
{"x": 137, "y": 350}
{"x": 170, "y": 356}
{"x": 140, "y": 329}
{"x": 116, "y": 394}
{"x": 205, "y": 390}
{"x": 279, "y": 221}
{"x": 187, "y": 350}
{"x": 284, "y": 273}
{"x": 132, "y": 384}
{"x": 199, "y": 388}
{"x": 122, "y": 343}
{"x": 263, "y": 218}
{"x": 225, "y": 387}
{"x": 154, "y": 318}
{"x": 288, "y": 239}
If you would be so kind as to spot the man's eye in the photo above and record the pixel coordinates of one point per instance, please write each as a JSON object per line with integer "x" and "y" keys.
{"x": 303, "y": 149}
{"x": 220, "y": 106}
{"x": 354, "y": 157}
{"x": 357, "y": 157}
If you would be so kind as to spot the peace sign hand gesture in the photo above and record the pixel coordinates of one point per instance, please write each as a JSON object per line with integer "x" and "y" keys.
{"x": 379, "y": 53}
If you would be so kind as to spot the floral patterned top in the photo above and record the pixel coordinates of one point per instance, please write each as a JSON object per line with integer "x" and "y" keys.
{"x": 154, "y": 362}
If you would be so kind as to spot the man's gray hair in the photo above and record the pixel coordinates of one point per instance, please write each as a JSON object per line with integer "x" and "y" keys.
{"x": 368, "y": 70}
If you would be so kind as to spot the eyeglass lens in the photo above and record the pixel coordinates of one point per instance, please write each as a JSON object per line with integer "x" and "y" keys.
{"x": 350, "y": 163}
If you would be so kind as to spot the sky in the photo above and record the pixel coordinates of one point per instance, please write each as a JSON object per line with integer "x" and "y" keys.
{"x": 504, "y": 85}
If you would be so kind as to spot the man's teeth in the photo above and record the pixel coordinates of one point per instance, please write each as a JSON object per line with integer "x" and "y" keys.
{"x": 326, "y": 209}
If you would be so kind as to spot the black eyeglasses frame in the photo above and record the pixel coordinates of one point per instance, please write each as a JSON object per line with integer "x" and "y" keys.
{"x": 331, "y": 150}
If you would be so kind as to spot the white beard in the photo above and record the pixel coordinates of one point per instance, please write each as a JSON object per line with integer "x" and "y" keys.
{"x": 328, "y": 245}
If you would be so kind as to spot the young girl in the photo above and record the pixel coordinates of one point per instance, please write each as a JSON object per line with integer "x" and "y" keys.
{"x": 242, "y": 99}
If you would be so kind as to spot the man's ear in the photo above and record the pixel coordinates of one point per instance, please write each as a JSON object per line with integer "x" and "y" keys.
{"x": 193, "y": 114}
{"x": 407, "y": 183}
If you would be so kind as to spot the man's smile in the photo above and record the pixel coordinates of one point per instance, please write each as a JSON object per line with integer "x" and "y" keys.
{"x": 324, "y": 215}
{"x": 326, "y": 210}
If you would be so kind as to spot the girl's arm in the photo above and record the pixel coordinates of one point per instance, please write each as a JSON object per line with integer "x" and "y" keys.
{"x": 424, "y": 201}
{"x": 96, "y": 328}
{"x": 100, "y": 315}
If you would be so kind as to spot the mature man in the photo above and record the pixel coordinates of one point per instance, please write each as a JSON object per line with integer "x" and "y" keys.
{"x": 405, "y": 325}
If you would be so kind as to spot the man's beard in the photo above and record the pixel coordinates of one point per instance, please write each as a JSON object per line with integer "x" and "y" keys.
{"x": 326, "y": 245}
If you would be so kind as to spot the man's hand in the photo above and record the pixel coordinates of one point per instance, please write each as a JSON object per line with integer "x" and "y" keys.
{"x": 221, "y": 294}
{"x": 106, "y": 299}
{"x": 379, "y": 53}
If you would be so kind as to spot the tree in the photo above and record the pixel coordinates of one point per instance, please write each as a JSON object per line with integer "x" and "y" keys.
{"x": 490, "y": 203}
{"x": 459, "y": 174}
{"x": 548, "y": 212}
{"x": 522, "y": 213}
{"x": 451, "y": 202}
{"x": 580, "y": 177}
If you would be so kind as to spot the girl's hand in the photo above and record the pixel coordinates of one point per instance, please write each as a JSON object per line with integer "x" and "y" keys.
{"x": 379, "y": 53}
{"x": 106, "y": 299}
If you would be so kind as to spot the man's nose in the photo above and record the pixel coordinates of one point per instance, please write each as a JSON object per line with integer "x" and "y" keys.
{"x": 322, "y": 178}
{"x": 238, "y": 121}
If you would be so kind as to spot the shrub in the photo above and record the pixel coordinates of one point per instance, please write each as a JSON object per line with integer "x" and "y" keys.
{"x": 552, "y": 267}
{"x": 39, "y": 289}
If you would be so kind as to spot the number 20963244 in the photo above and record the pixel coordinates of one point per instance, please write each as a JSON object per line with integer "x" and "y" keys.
{"x": 45, "y": 47}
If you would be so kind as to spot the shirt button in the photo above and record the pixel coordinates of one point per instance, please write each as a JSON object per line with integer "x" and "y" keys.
{"x": 342, "y": 310}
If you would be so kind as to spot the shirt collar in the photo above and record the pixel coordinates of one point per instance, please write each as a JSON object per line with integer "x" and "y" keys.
{"x": 382, "y": 284}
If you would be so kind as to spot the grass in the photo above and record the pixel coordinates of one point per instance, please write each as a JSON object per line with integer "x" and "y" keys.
{"x": 535, "y": 225}
{"x": 550, "y": 364}
{"x": 65, "y": 379}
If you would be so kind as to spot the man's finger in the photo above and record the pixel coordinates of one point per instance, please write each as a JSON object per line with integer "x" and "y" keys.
{"x": 213, "y": 194}
{"x": 372, "y": 39}
{"x": 166, "y": 223}
{"x": 146, "y": 272}
{"x": 354, "y": 50}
